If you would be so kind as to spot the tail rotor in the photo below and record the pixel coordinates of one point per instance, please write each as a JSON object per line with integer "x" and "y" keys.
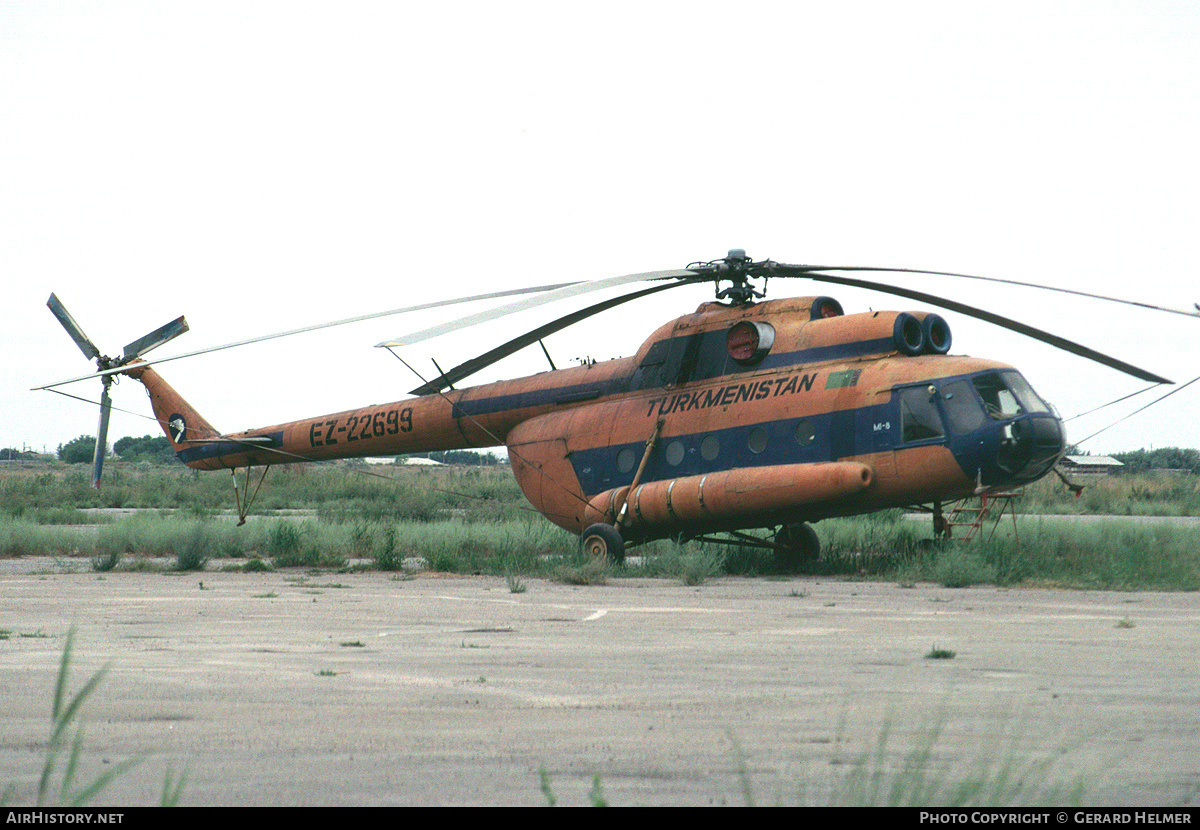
{"x": 134, "y": 350}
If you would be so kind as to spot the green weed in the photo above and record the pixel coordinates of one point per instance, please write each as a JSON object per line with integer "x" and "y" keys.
{"x": 544, "y": 779}
{"x": 388, "y": 558}
{"x": 68, "y": 790}
{"x": 193, "y": 552}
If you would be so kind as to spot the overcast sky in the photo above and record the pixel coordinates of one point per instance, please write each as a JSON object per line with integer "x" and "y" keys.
{"x": 258, "y": 166}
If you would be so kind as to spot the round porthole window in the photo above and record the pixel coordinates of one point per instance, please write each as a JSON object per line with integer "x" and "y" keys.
{"x": 710, "y": 447}
{"x": 805, "y": 433}
{"x": 675, "y": 453}
{"x": 758, "y": 439}
{"x": 626, "y": 458}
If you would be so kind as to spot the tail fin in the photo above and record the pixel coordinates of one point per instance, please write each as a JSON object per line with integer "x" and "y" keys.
{"x": 183, "y": 425}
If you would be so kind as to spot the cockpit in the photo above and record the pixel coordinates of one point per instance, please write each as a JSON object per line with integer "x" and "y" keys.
{"x": 998, "y": 428}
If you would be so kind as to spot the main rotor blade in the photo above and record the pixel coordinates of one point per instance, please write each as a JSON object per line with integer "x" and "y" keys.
{"x": 437, "y": 304}
{"x": 475, "y": 364}
{"x": 84, "y": 342}
{"x": 156, "y": 338}
{"x": 805, "y": 270}
{"x": 101, "y": 436}
{"x": 571, "y": 290}
{"x": 812, "y": 272}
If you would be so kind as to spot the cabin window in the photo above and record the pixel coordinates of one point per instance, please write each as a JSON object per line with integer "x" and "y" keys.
{"x": 699, "y": 356}
{"x": 710, "y": 447}
{"x": 758, "y": 439}
{"x": 919, "y": 419}
{"x": 675, "y": 453}
{"x": 626, "y": 458}
{"x": 805, "y": 433}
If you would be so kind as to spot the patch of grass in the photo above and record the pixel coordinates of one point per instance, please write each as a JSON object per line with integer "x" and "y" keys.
{"x": 389, "y": 557}
{"x": 596, "y": 793}
{"x": 325, "y": 673}
{"x": 267, "y": 595}
{"x": 544, "y": 780}
{"x": 461, "y": 521}
{"x": 589, "y": 573}
{"x": 936, "y": 653}
{"x": 141, "y": 564}
{"x": 961, "y": 568}
{"x": 353, "y": 644}
{"x": 62, "y": 713}
{"x": 104, "y": 561}
{"x": 69, "y": 790}
{"x": 1125, "y": 622}
{"x": 193, "y": 551}
{"x": 514, "y": 583}
{"x": 917, "y": 780}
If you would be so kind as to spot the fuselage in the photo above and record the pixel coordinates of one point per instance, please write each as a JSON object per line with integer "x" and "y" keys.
{"x": 731, "y": 417}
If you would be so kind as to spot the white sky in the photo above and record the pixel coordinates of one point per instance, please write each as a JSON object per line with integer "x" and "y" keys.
{"x": 259, "y": 166}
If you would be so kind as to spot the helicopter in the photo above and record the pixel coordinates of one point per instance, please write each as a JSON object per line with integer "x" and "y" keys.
{"x": 747, "y": 414}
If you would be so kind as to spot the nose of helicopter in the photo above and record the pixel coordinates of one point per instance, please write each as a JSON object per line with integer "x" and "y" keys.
{"x": 1001, "y": 432}
{"x": 1028, "y": 447}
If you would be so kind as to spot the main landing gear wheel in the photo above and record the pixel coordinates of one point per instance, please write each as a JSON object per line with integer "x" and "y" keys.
{"x": 796, "y": 545}
{"x": 603, "y": 542}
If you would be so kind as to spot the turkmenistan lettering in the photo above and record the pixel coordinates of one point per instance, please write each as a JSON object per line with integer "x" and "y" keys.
{"x": 734, "y": 393}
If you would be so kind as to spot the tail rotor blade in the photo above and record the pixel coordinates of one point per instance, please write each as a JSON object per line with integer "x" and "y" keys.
{"x": 101, "y": 437}
{"x": 156, "y": 338}
{"x": 68, "y": 322}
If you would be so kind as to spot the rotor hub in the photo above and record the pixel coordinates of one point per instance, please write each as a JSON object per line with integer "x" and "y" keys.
{"x": 738, "y": 269}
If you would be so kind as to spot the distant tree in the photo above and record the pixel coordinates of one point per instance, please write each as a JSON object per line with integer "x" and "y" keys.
{"x": 9, "y": 454}
{"x": 1163, "y": 458}
{"x": 463, "y": 457}
{"x": 156, "y": 449}
{"x": 78, "y": 450}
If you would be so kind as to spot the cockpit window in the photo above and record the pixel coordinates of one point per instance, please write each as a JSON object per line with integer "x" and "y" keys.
{"x": 1007, "y": 395}
{"x": 962, "y": 407}
{"x": 919, "y": 419}
{"x": 1024, "y": 392}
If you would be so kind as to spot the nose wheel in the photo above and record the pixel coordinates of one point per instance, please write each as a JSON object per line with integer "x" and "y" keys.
{"x": 602, "y": 542}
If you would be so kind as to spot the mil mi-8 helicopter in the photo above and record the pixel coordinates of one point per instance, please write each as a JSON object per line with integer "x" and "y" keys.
{"x": 743, "y": 415}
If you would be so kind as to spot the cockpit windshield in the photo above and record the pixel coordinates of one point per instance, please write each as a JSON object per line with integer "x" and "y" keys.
{"x": 1006, "y": 395}
{"x": 967, "y": 404}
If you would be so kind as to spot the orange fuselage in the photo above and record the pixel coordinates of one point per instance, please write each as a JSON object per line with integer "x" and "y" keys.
{"x": 731, "y": 417}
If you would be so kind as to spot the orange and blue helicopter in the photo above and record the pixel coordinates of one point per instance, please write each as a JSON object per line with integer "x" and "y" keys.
{"x": 744, "y": 415}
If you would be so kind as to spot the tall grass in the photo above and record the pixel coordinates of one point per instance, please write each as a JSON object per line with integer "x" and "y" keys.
{"x": 1149, "y": 494}
{"x": 475, "y": 521}
{"x": 1111, "y": 555}
{"x": 61, "y": 786}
